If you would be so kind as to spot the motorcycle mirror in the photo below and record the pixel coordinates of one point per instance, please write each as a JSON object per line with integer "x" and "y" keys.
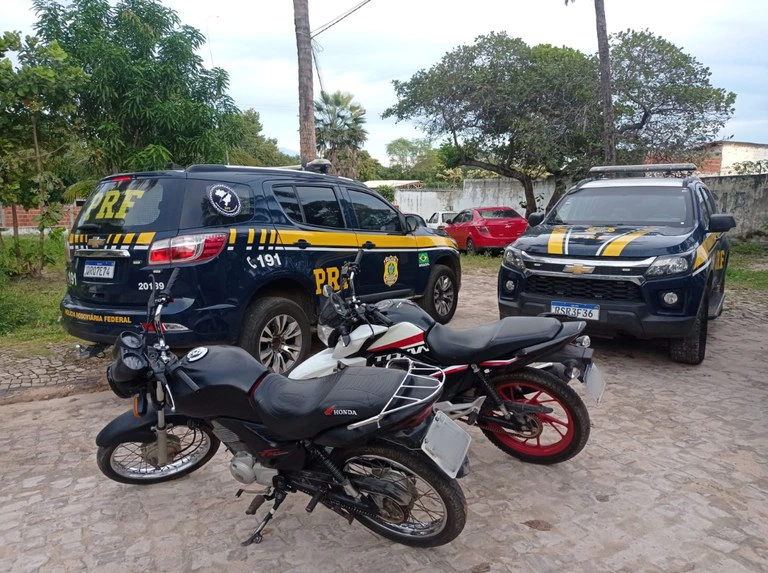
{"x": 327, "y": 291}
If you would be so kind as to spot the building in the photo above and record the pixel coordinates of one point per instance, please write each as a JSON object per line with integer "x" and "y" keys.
{"x": 720, "y": 156}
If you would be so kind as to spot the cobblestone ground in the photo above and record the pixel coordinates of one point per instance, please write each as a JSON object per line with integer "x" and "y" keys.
{"x": 674, "y": 478}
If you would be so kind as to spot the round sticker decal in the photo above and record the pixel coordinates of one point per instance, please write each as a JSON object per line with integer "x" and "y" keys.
{"x": 196, "y": 353}
{"x": 224, "y": 200}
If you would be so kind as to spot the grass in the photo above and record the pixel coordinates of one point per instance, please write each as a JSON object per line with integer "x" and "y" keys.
{"x": 748, "y": 267}
{"x": 483, "y": 261}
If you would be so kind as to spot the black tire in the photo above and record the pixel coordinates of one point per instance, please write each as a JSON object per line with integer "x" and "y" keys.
{"x": 440, "y": 300}
{"x": 692, "y": 348}
{"x": 108, "y": 458}
{"x": 471, "y": 249}
{"x": 262, "y": 317}
{"x": 447, "y": 490}
{"x": 570, "y": 412}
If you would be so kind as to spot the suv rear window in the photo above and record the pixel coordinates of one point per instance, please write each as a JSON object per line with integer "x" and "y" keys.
{"x": 133, "y": 205}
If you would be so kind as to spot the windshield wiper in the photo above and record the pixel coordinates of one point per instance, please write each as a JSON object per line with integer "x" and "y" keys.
{"x": 88, "y": 227}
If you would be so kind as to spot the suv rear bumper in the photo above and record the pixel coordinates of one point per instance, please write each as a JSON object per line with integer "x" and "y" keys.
{"x": 103, "y": 325}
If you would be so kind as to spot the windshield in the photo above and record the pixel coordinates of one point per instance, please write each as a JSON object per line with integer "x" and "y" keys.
{"x": 635, "y": 206}
{"x": 498, "y": 214}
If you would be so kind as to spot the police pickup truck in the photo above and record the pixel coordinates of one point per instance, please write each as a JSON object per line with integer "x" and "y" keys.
{"x": 255, "y": 247}
{"x": 628, "y": 253}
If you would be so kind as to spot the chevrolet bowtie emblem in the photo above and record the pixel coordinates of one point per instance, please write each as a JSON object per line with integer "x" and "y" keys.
{"x": 95, "y": 242}
{"x": 578, "y": 269}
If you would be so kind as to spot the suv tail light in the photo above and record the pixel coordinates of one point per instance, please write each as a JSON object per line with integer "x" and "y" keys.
{"x": 187, "y": 248}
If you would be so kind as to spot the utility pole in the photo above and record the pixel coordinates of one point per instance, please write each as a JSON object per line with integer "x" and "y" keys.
{"x": 308, "y": 146}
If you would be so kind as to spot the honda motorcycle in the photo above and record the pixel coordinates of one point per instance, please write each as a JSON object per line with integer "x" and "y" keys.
{"x": 364, "y": 442}
{"x": 509, "y": 377}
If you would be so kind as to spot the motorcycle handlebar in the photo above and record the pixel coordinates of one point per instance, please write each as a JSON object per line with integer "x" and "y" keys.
{"x": 177, "y": 372}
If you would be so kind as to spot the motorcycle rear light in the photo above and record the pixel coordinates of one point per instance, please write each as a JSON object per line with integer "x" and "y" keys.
{"x": 187, "y": 248}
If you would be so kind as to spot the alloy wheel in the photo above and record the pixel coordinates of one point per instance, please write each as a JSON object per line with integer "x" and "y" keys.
{"x": 280, "y": 343}
{"x": 444, "y": 295}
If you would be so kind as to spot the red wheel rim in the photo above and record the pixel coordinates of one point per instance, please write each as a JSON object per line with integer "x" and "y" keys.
{"x": 557, "y": 428}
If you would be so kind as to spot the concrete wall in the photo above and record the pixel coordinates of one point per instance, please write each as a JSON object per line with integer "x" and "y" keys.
{"x": 501, "y": 192}
{"x": 736, "y": 152}
{"x": 746, "y": 198}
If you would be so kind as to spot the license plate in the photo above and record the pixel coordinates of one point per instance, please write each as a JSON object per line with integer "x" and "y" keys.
{"x": 446, "y": 443}
{"x": 577, "y": 310}
{"x": 595, "y": 382}
{"x": 99, "y": 269}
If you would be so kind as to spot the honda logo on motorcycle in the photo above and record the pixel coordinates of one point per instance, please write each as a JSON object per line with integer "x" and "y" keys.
{"x": 334, "y": 411}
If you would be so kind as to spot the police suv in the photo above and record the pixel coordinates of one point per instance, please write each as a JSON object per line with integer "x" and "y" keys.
{"x": 255, "y": 247}
{"x": 644, "y": 256}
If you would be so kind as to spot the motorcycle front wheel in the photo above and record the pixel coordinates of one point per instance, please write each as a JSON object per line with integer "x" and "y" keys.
{"x": 431, "y": 510}
{"x": 546, "y": 438}
{"x": 136, "y": 462}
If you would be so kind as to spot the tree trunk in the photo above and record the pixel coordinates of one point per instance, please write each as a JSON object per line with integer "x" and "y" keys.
{"x": 609, "y": 140}
{"x": 525, "y": 180}
{"x": 15, "y": 223}
{"x": 308, "y": 147}
{"x": 43, "y": 194}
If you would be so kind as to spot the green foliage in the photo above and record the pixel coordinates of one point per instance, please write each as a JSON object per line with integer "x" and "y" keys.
{"x": 748, "y": 248}
{"x": 339, "y": 131}
{"x": 664, "y": 100}
{"x": 751, "y": 167}
{"x": 26, "y": 265}
{"x": 252, "y": 147}
{"x": 150, "y": 98}
{"x": 387, "y": 191}
{"x": 368, "y": 168}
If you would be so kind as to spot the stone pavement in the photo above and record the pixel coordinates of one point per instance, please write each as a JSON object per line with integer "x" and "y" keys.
{"x": 674, "y": 478}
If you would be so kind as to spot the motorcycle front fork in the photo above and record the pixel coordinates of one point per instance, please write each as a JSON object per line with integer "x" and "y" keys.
{"x": 161, "y": 430}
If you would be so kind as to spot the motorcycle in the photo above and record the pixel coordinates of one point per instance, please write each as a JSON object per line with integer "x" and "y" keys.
{"x": 364, "y": 442}
{"x": 509, "y": 377}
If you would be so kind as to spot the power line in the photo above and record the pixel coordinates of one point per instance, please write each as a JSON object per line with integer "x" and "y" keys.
{"x": 338, "y": 19}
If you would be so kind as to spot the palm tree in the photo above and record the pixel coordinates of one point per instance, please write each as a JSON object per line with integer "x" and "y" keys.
{"x": 603, "y": 52}
{"x": 339, "y": 131}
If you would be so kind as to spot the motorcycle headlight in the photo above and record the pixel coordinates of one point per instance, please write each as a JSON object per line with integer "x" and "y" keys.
{"x": 513, "y": 258}
{"x": 668, "y": 265}
{"x": 324, "y": 333}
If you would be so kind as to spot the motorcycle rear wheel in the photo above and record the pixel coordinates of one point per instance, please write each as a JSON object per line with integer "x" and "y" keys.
{"x": 555, "y": 437}
{"x": 131, "y": 462}
{"x": 436, "y": 513}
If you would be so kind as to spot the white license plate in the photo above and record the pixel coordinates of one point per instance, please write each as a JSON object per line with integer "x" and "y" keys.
{"x": 99, "y": 269}
{"x": 446, "y": 443}
{"x": 595, "y": 383}
{"x": 577, "y": 310}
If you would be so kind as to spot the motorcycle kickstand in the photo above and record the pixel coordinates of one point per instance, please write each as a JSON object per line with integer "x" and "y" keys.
{"x": 256, "y": 537}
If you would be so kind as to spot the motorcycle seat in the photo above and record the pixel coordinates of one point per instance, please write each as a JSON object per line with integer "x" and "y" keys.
{"x": 499, "y": 339}
{"x": 301, "y": 409}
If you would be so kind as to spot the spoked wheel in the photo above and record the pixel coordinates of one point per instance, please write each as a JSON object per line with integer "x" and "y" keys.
{"x": 425, "y": 507}
{"x": 137, "y": 462}
{"x": 540, "y": 438}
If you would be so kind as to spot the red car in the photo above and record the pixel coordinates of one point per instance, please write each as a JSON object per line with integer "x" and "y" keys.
{"x": 486, "y": 228}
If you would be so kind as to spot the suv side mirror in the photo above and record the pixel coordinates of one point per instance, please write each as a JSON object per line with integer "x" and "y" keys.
{"x": 411, "y": 224}
{"x": 721, "y": 223}
{"x": 535, "y": 219}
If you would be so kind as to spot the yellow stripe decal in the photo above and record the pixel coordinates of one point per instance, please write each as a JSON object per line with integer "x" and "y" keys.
{"x": 71, "y": 238}
{"x": 128, "y": 239}
{"x": 251, "y": 232}
{"x": 116, "y": 240}
{"x": 145, "y": 238}
{"x": 615, "y": 247}
{"x": 556, "y": 241}
{"x": 232, "y": 236}
{"x": 704, "y": 250}
{"x": 263, "y": 236}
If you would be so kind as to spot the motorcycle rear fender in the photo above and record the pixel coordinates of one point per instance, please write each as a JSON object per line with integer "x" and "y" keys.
{"x": 128, "y": 428}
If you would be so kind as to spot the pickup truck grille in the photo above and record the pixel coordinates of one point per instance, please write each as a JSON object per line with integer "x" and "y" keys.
{"x": 571, "y": 287}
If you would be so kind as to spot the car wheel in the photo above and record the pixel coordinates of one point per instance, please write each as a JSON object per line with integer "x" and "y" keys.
{"x": 471, "y": 249}
{"x": 692, "y": 348}
{"x": 441, "y": 296}
{"x": 276, "y": 332}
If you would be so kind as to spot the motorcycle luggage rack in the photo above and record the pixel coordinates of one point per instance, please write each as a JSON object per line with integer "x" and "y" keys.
{"x": 418, "y": 377}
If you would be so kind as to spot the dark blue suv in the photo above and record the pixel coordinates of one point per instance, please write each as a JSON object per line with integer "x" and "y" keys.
{"x": 644, "y": 256}
{"x": 255, "y": 247}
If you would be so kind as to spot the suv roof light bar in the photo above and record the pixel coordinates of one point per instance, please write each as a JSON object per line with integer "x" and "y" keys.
{"x": 648, "y": 168}
{"x": 315, "y": 166}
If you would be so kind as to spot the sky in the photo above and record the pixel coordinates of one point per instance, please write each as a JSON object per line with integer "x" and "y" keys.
{"x": 385, "y": 40}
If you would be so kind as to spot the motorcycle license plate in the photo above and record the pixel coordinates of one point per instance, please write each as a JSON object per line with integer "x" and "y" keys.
{"x": 576, "y": 310}
{"x": 595, "y": 382}
{"x": 99, "y": 269}
{"x": 446, "y": 443}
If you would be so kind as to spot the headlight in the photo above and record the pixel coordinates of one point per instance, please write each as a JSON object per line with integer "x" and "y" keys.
{"x": 668, "y": 265}
{"x": 513, "y": 258}
{"x": 324, "y": 333}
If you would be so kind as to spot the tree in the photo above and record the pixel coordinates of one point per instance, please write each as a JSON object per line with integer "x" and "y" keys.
{"x": 665, "y": 103}
{"x": 339, "y": 131}
{"x": 150, "y": 99}
{"x": 306, "y": 89}
{"x": 368, "y": 167}
{"x": 603, "y": 52}
{"x": 252, "y": 147}
{"x": 36, "y": 104}
{"x": 515, "y": 110}
{"x": 759, "y": 167}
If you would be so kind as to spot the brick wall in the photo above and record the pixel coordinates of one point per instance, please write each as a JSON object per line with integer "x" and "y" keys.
{"x": 26, "y": 218}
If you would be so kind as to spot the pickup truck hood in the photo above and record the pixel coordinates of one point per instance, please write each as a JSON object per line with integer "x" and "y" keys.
{"x": 620, "y": 241}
